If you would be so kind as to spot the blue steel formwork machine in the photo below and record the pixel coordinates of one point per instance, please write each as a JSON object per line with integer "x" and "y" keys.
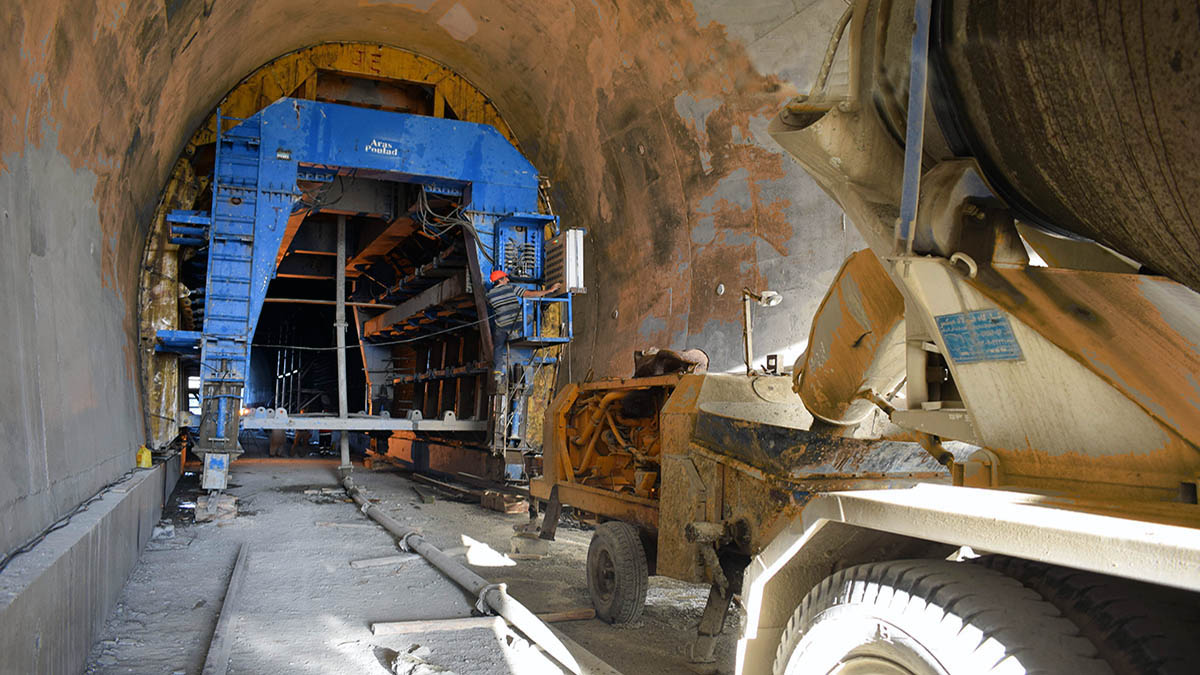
{"x": 492, "y": 222}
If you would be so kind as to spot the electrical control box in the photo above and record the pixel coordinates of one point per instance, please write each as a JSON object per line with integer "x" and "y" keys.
{"x": 564, "y": 261}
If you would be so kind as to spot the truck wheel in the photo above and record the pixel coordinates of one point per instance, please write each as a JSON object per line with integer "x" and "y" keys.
{"x": 1138, "y": 628}
{"x": 616, "y": 572}
{"x": 929, "y": 616}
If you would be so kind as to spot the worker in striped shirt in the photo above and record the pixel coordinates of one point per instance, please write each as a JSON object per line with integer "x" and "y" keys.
{"x": 504, "y": 305}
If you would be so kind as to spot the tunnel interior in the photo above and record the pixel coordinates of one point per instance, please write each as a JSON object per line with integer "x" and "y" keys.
{"x": 648, "y": 119}
{"x": 653, "y": 131}
{"x": 650, "y": 122}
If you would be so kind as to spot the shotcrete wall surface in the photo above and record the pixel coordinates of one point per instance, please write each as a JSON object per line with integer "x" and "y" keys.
{"x": 649, "y": 117}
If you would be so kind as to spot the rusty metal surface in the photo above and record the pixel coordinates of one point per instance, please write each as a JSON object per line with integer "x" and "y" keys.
{"x": 609, "y": 438}
{"x": 1139, "y": 333}
{"x": 449, "y": 458}
{"x": 567, "y": 417}
{"x": 710, "y": 486}
{"x": 1054, "y": 421}
{"x": 795, "y": 454}
{"x": 1085, "y": 116}
{"x": 856, "y": 342}
{"x": 704, "y": 463}
{"x": 1060, "y": 425}
{"x": 631, "y": 509}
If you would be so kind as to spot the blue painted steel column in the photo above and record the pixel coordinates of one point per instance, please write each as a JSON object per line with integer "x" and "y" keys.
{"x": 914, "y": 134}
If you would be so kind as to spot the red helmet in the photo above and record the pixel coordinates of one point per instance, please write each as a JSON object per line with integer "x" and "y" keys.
{"x": 497, "y": 275}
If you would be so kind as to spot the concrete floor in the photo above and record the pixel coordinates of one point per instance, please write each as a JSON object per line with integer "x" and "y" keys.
{"x": 303, "y": 609}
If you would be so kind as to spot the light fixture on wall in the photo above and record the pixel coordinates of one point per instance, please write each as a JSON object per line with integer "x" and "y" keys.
{"x": 764, "y": 299}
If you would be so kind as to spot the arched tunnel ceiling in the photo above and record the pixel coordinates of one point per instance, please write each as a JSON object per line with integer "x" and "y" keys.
{"x": 649, "y": 117}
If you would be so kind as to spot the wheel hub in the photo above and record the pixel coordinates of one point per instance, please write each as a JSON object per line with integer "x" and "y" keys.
{"x": 605, "y": 576}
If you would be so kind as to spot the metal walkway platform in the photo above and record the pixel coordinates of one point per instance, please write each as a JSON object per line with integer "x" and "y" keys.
{"x": 279, "y": 419}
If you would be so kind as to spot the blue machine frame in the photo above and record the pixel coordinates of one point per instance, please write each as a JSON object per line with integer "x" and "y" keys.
{"x": 254, "y": 193}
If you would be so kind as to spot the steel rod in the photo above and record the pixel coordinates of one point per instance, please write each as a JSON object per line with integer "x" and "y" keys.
{"x": 747, "y": 334}
{"x": 340, "y": 329}
{"x": 492, "y": 594}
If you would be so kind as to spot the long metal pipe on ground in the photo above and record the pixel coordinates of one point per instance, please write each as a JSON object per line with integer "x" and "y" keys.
{"x": 492, "y": 594}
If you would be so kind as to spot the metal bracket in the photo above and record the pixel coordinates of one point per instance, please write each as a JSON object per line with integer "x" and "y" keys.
{"x": 481, "y": 603}
{"x": 981, "y": 470}
{"x": 404, "y": 541}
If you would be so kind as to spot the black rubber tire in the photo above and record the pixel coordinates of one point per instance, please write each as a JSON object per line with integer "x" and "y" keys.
{"x": 1138, "y": 628}
{"x": 616, "y": 572}
{"x": 930, "y": 616}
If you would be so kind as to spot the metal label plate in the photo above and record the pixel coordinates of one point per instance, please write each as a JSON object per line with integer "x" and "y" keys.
{"x": 980, "y": 335}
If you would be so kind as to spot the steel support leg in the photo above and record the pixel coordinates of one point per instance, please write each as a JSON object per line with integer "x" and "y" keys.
{"x": 550, "y": 519}
{"x": 340, "y": 330}
{"x": 711, "y": 623}
{"x": 747, "y": 334}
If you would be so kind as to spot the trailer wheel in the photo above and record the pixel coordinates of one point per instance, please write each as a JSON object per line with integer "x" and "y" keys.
{"x": 616, "y": 572}
{"x": 929, "y": 616}
{"x": 1137, "y": 627}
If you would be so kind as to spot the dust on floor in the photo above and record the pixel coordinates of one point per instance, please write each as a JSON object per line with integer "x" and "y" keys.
{"x": 303, "y": 609}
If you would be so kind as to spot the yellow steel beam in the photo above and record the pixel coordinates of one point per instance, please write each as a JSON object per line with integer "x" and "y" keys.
{"x": 615, "y": 505}
{"x": 295, "y": 74}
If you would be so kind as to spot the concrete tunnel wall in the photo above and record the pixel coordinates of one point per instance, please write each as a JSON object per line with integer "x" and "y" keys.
{"x": 649, "y": 117}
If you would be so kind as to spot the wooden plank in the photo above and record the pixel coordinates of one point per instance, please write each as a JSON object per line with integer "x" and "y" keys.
{"x": 439, "y": 102}
{"x": 384, "y": 561}
{"x": 581, "y": 614}
{"x": 424, "y": 495}
{"x": 217, "y": 661}
{"x": 504, "y": 503}
{"x": 289, "y": 233}
{"x": 431, "y": 297}
{"x": 396, "y": 231}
